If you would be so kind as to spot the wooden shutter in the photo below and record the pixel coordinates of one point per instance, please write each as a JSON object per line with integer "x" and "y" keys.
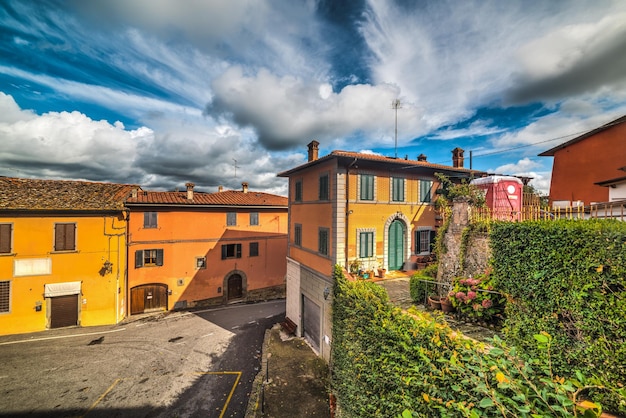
{"x": 138, "y": 259}
{"x": 159, "y": 257}
{"x": 238, "y": 250}
{"x": 224, "y": 252}
{"x": 64, "y": 237}
{"x": 5, "y": 238}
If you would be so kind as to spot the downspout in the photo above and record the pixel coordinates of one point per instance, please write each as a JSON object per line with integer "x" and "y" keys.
{"x": 117, "y": 278}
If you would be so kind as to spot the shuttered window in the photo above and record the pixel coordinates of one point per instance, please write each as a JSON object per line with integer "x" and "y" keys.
{"x": 254, "y": 249}
{"x": 397, "y": 189}
{"x": 5, "y": 238}
{"x": 231, "y": 219}
{"x": 324, "y": 187}
{"x": 367, "y": 187}
{"x": 425, "y": 188}
{"x": 65, "y": 237}
{"x": 149, "y": 258}
{"x": 366, "y": 244}
{"x": 298, "y": 193}
{"x": 297, "y": 235}
{"x": 254, "y": 218}
{"x": 231, "y": 251}
{"x": 323, "y": 241}
{"x": 150, "y": 220}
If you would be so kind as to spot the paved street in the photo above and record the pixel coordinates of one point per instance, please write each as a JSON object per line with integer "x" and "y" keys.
{"x": 183, "y": 364}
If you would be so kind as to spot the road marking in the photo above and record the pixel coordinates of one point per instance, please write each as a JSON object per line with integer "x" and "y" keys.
{"x": 252, "y": 322}
{"x": 232, "y": 390}
{"x": 235, "y": 327}
{"x": 62, "y": 336}
{"x": 101, "y": 397}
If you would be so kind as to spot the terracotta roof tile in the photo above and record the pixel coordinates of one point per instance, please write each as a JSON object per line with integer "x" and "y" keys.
{"x": 36, "y": 194}
{"x": 225, "y": 198}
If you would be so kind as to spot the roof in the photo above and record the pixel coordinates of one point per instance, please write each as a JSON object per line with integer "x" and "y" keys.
{"x": 381, "y": 159}
{"x": 612, "y": 182}
{"x": 62, "y": 195}
{"x": 552, "y": 151}
{"x": 225, "y": 198}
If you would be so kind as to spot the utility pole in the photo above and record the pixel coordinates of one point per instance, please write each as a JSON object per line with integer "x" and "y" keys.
{"x": 395, "y": 105}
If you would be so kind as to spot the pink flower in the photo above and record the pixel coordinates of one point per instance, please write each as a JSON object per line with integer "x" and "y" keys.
{"x": 487, "y": 303}
{"x": 460, "y": 295}
{"x": 477, "y": 306}
{"x": 471, "y": 295}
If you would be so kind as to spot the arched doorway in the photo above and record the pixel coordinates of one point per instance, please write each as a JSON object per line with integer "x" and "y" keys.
{"x": 235, "y": 287}
{"x": 396, "y": 250}
{"x": 148, "y": 298}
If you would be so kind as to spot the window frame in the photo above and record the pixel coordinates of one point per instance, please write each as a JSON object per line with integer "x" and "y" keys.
{"x": 231, "y": 251}
{"x": 6, "y": 238}
{"x": 324, "y": 187}
{"x": 200, "y": 263}
{"x": 298, "y": 191}
{"x": 231, "y": 218}
{"x": 64, "y": 242}
{"x": 323, "y": 241}
{"x": 425, "y": 193}
{"x": 421, "y": 241}
{"x": 5, "y": 300}
{"x": 142, "y": 255}
{"x": 254, "y": 218}
{"x": 398, "y": 185}
{"x": 367, "y": 187}
{"x": 367, "y": 244}
{"x": 150, "y": 220}
{"x": 253, "y": 249}
{"x": 297, "y": 235}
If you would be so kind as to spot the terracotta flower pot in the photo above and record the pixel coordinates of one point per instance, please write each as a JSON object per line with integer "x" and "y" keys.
{"x": 434, "y": 302}
{"x": 446, "y": 305}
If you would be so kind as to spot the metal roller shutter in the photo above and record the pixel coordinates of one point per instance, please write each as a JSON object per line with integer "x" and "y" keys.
{"x": 311, "y": 314}
{"x": 63, "y": 311}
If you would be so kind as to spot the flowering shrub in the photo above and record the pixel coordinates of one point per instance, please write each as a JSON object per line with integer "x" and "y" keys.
{"x": 476, "y": 297}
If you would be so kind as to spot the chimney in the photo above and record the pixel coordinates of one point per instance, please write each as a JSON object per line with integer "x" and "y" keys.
{"x": 457, "y": 158}
{"x": 220, "y": 189}
{"x": 421, "y": 157}
{"x": 133, "y": 193}
{"x": 189, "y": 190}
{"x": 313, "y": 150}
{"x": 244, "y": 185}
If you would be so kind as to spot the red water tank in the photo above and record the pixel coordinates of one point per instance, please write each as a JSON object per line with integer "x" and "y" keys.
{"x": 503, "y": 195}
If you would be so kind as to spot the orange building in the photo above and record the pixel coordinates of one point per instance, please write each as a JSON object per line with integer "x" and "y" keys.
{"x": 190, "y": 249}
{"x": 584, "y": 166}
{"x": 360, "y": 211}
{"x": 62, "y": 254}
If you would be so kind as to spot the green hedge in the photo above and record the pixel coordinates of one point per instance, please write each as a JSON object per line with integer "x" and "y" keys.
{"x": 566, "y": 278}
{"x": 386, "y": 363}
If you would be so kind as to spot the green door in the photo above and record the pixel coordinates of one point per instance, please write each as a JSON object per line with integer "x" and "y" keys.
{"x": 396, "y": 245}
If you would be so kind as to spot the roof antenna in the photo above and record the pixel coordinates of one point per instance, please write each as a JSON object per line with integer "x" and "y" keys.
{"x": 235, "y": 168}
{"x": 395, "y": 105}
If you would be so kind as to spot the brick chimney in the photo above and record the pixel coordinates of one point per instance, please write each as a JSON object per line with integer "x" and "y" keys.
{"x": 244, "y": 185}
{"x": 421, "y": 157}
{"x": 189, "y": 190}
{"x": 457, "y": 158}
{"x": 220, "y": 189}
{"x": 313, "y": 150}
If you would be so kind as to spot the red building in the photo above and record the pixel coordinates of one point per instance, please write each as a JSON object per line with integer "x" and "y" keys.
{"x": 582, "y": 164}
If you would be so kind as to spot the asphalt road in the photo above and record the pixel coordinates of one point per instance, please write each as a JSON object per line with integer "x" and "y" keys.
{"x": 199, "y": 364}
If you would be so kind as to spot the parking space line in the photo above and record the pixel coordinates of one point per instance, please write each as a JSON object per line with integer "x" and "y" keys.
{"x": 232, "y": 390}
{"x": 101, "y": 397}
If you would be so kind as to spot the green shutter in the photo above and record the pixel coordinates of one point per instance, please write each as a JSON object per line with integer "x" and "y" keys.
{"x": 138, "y": 259}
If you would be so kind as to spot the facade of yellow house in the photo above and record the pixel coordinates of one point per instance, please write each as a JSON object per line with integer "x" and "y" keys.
{"x": 62, "y": 254}
{"x": 193, "y": 249}
{"x": 363, "y": 212}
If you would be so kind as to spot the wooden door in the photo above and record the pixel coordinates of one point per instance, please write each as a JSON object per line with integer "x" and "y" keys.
{"x": 235, "y": 287}
{"x": 397, "y": 237}
{"x": 148, "y": 297}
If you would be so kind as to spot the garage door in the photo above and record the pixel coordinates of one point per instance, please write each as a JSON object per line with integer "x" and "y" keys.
{"x": 147, "y": 298}
{"x": 64, "y": 311}
{"x": 311, "y": 322}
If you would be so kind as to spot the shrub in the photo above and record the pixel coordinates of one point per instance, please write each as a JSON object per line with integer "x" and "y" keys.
{"x": 430, "y": 270}
{"x": 477, "y": 298}
{"x": 419, "y": 286}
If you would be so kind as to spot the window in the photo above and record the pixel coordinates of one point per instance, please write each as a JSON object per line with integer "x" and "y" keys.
{"x": 231, "y": 218}
{"x": 424, "y": 241}
{"x": 322, "y": 246}
{"x": 5, "y": 238}
{"x": 367, "y": 187}
{"x": 297, "y": 235}
{"x": 298, "y": 196}
{"x": 324, "y": 189}
{"x": 149, "y": 219}
{"x": 200, "y": 263}
{"x": 65, "y": 237}
{"x": 149, "y": 258}
{"x": 397, "y": 189}
{"x": 5, "y": 296}
{"x": 254, "y": 249}
{"x": 254, "y": 218}
{"x": 425, "y": 188}
{"x": 231, "y": 251}
{"x": 366, "y": 244}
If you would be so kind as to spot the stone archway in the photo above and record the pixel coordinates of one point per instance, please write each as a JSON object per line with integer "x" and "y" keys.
{"x": 235, "y": 286}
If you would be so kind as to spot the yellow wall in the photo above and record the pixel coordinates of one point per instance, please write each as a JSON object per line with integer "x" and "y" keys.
{"x": 98, "y": 238}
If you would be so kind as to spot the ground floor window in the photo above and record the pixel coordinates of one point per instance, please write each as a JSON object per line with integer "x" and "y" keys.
{"x": 424, "y": 241}
{"x": 5, "y": 296}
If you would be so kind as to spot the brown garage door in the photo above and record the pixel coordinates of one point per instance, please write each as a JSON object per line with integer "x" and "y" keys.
{"x": 63, "y": 311}
{"x": 311, "y": 322}
{"x": 149, "y": 297}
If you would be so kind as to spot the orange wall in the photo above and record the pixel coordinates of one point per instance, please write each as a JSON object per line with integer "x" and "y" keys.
{"x": 578, "y": 166}
{"x": 99, "y": 301}
{"x": 186, "y": 234}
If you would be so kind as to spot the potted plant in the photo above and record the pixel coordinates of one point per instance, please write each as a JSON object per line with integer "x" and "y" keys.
{"x": 381, "y": 272}
{"x": 446, "y": 303}
{"x": 434, "y": 301}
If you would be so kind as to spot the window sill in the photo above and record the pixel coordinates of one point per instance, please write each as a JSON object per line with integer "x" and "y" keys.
{"x": 64, "y": 252}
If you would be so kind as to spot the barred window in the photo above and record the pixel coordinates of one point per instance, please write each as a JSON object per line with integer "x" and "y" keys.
{"x": 5, "y": 296}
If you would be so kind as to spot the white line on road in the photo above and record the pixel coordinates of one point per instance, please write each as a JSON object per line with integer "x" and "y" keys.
{"x": 62, "y": 336}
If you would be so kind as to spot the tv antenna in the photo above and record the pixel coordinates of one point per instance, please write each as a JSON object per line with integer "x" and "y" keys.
{"x": 235, "y": 168}
{"x": 395, "y": 105}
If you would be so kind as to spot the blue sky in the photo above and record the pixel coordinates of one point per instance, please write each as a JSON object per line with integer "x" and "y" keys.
{"x": 163, "y": 92}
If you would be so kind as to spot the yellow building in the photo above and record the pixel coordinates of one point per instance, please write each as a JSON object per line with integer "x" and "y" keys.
{"x": 62, "y": 254}
{"x": 353, "y": 209}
